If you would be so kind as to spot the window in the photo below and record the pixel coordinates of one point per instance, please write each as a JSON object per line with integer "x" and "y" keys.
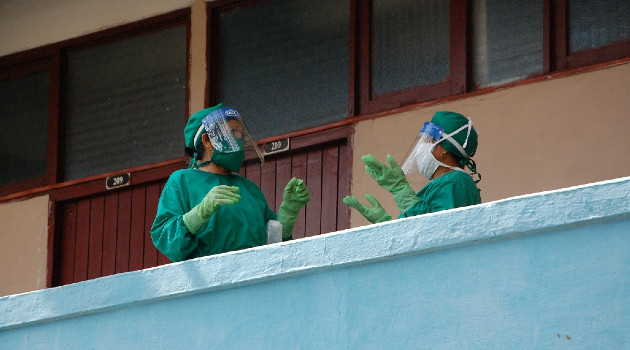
{"x": 595, "y": 24}
{"x": 24, "y": 121}
{"x": 109, "y": 101}
{"x": 284, "y": 64}
{"x": 410, "y": 44}
{"x": 26, "y": 102}
{"x": 126, "y": 103}
{"x": 410, "y": 51}
{"x": 507, "y": 41}
{"x": 590, "y": 31}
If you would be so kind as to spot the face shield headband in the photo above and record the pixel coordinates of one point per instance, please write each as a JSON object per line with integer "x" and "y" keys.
{"x": 228, "y": 135}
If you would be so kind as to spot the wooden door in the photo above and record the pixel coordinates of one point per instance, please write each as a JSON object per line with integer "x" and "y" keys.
{"x": 324, "y": 162}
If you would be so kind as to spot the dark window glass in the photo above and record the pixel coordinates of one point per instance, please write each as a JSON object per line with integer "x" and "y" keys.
{"x": 507, "y": 40}
{"x": 284, "y": 64}
{"x": 126, "y": 103}
{"x": 23, "y": 127}
{"x": 410, "y": 44}
{"x": 597, "y": 23}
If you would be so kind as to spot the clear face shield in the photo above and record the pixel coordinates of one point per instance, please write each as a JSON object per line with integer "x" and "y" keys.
{"x": 418, "y": 157}
{"x": 228, "y": 134}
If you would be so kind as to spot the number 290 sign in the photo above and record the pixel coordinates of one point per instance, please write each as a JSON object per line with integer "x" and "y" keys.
{"x": 117, "y": 181}
{"x": 276, "y": 146}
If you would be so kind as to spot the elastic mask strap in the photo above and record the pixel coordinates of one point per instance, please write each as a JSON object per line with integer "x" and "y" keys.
{"x": 455, "y": 143}
{"x": 472, "y": 166}
{"x": 203, "y": 164}
{"x": 451, "y": 167}
{"x": 193, "y": 162}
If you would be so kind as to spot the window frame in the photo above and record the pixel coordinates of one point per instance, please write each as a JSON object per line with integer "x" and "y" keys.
{"x": 213, "y": 11}
{"x": 362, "y": 104}
{"x": 563, "y": 58}
{"x": 52, "y": 57}
{"x": 20, "y": 65}
{"x": 455, "y": 84}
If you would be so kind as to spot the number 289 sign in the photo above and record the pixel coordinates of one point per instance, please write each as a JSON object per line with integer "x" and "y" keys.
{"x": 276, "y": 146}
{"x": 117, "y": 181}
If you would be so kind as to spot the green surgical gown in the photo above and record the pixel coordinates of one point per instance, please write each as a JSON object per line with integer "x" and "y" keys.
{"x": 452, "y": 190}
{"x": 231, "y": 227}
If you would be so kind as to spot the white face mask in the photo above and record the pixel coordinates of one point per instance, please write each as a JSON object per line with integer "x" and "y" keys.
{"x": 426, "y": 162}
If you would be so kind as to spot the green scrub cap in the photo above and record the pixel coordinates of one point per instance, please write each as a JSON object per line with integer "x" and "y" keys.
{"x": 193, "y": 126}
{"x": 452, "y": 121}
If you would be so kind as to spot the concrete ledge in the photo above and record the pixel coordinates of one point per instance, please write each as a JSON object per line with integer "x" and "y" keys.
{"x": 529, "y": 214}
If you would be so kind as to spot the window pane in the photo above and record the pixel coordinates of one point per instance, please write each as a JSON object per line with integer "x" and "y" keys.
{"x": 507, "y": 40}
{"x": 24, "y": 127}
{"x": 410, "y": 44}
{"x": 284, "y": 64}
{"x": 597, "y": 23}
{"x": 126, "y": 103}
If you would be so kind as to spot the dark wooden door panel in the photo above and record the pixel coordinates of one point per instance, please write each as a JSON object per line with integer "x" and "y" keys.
{"x": 110, "y": 224}
{"x": 108, "y": 233}
{"x": 123, "y": 231}
{"x": 67, "y": 243}
{"x": 322, "y": 168}
{"x": 95, "y": 250}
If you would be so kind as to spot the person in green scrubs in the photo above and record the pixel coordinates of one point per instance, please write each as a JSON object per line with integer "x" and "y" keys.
{"x": 442, "y": 149}
{"x": 209, "y": 209}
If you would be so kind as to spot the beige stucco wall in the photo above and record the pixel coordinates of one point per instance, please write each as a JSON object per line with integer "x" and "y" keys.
{"x": 23, "y": 245}
{"x": 533, "y": 137}
{"x": 27, "y": 24}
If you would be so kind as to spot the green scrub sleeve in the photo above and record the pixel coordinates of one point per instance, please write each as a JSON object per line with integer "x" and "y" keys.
{"x": 442, "y": 195}
{"x": 169, "y": 234}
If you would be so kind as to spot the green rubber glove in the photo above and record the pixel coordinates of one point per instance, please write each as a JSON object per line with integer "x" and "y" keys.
{"x": 216, "y": 197}
{"x": 374, "y": 214}
{"x": 391, "y": 178}
{"x": 295, "y": 196}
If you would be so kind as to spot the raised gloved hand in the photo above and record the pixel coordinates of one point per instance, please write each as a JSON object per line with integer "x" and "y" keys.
{"x": 373, "y": 214}
{"x": 295, "y": 196}
{"x": 391, "y": 178}
{"x": 216, "y": 197}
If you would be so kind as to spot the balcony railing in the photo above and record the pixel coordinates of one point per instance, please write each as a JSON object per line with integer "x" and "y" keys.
{"x": 533, "y": 272}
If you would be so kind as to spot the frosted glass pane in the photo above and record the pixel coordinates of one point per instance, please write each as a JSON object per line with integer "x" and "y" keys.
{"x": 284, "y": 64}
{"x": 126, "y": 103}
{"x": 507, "y": 40}
{"x": 597, "y": 23}
{"x": 23, "y": 127}
{"x": 410, "y": 44}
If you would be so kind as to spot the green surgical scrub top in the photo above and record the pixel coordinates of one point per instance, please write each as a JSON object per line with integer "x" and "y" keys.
{"x": 231, "y": 227}
{"x": 452, "y": 190}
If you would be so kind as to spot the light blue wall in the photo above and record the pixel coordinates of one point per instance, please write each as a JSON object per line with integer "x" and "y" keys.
{"x": 549, "y": 270}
